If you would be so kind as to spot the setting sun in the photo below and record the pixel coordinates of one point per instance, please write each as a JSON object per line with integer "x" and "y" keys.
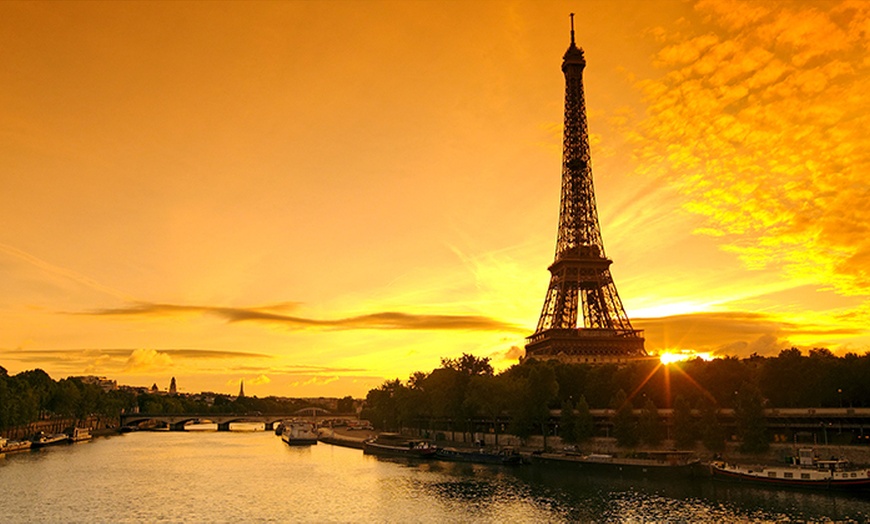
{"x": 669, "y": 357}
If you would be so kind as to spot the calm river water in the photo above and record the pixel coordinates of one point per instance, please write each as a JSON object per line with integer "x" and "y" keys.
{"x": 254, "y": 477}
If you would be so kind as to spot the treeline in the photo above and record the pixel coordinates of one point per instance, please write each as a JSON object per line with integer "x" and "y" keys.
{"x": 462, "y": 391}
{"x": 157, "y": 403}
{"x": 33, "y": 395}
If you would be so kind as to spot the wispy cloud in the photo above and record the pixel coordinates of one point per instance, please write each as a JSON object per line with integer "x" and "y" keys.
{"x": 316, "y": 381}
{"x": 259, "y": 380}
{"x": 132, "y": 361}
{"x": 732, "y": 333}
{"x": 301, "y": 370}
{"x": 760, "y": 120}
{"x": 61, "y": 274}
{"x": 383, "y": 320}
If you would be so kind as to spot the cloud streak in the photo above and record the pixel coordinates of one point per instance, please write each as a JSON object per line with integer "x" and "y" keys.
{"x": 131, "y": 361}
{"x": 119, "y": 352}
{"x": 389, "y": 320}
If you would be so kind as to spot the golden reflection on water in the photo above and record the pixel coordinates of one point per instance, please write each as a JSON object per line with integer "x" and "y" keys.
{"x": 252, "y": 476}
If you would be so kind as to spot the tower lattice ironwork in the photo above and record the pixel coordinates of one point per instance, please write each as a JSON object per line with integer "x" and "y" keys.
{"x": 580, "y": 273}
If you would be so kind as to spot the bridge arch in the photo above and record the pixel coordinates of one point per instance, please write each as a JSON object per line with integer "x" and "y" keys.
{"x": 177, "y": 421}
{"x": 312, "y": 411}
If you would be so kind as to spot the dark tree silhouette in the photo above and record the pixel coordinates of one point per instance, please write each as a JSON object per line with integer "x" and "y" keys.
{"x": 749, "y": 416}
{"x": 649, "y": 424}
{"x": 624, "y": 421}
{"x": 685, "y": 431}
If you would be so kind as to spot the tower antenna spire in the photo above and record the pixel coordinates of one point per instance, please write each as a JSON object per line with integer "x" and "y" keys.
{"x": 572, "y": 28}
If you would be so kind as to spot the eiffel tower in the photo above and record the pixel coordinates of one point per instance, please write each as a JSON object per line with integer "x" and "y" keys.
{"x": 580, "y": 273}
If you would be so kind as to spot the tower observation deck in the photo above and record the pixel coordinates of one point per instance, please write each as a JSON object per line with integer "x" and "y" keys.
{"x": 581, "y": 286}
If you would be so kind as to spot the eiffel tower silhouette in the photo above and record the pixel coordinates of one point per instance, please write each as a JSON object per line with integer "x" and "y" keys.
{"x": 580, "y": 273}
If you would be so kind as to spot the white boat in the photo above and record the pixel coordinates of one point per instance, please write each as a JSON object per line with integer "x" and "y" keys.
{"x": 297, "y": 433}
{"x": 808, "y": 472}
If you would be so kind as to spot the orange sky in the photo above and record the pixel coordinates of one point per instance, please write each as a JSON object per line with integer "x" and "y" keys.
{"x": 318, "y": 196}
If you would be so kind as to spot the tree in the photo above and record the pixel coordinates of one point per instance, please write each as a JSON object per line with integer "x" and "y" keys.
{"x": 649, "y": 424}
{"x": 572, "y": 379}
{"x": 712, "y": 434}
{"x": 381, "y": 405}
{"x": 522, "y": 416}
{"x": 568, "y": 423}
{"x": 684, "y": 430}
{"x": 445, "y": 388}
{"x": 487, "y": 396}
{"x": 543, "y": 389}
{"x": 532, "y": 397}
{"x": 719, "y": 377}
{"x": 624, "y": 421}
{"x": 40, "y": 385}
{"x": 786, "y": 379}
{"x": 585, "y": 422}
{"x": 749, "y": 416}
{"x": 468, "y": 364}
{"x": 345, "y": 405}
{"x": 67, "y": 398}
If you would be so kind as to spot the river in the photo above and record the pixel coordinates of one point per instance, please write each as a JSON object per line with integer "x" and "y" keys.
{"x": 252, "y": 476}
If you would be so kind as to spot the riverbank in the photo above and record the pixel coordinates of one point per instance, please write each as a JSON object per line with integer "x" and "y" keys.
{"x": 98, "y": 426}
{"x": 778, "y": 453}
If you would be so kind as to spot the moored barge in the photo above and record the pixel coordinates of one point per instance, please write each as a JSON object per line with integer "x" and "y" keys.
{"x": 807, "y": 472}
{"x": 674, "y": 464}
{"x": 395, "y": 445}
{"x": 41, "y": 440}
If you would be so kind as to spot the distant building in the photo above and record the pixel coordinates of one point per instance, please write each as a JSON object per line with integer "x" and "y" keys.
{"x": 154, "y": 388}
{"x": 103, "y": 382}
{"x": 172, "y": 389}
{"x": 242, "y": 388}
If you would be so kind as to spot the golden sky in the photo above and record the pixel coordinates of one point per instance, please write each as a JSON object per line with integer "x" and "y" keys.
{"x": 317, "y": 196}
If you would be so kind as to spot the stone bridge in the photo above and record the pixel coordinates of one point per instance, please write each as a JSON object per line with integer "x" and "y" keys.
{"x": 177, "y": 421}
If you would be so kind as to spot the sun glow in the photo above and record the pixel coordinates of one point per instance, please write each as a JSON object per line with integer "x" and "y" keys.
{"x": 669, "y": 357}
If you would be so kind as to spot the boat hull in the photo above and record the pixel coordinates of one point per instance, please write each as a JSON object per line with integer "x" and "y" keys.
{"x": 343, "y": 442}
{"x": 300, "y": 442}
{"x": 372, "y": 448}
{"x": 479, "y": 457}
{"x": 620, "y": 467}
{"x": 827, "y": 483}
